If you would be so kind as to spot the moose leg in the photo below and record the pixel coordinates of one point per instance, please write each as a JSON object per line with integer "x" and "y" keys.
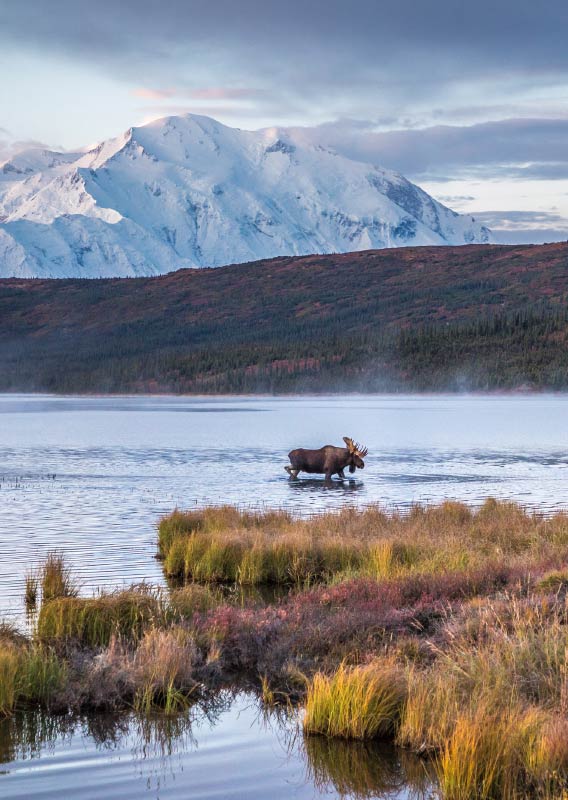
{"x": 341, "y": 474}
{"x": 293, "y": 473}
{"x": 328, "y": 477}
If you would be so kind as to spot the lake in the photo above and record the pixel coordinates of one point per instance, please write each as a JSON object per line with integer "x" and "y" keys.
{"x": 91, "y": 476}
{"x": 232, "y": 751}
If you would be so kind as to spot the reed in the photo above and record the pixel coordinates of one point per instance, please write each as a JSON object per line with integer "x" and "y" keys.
{"x": 29, "y": 675}
{"x": 31, "y": 590}
{"x": 56, "y": 579}
{"x": 225, "y": 544}
{"x": 92, "y": 621}
{"x": 355, "y": 702}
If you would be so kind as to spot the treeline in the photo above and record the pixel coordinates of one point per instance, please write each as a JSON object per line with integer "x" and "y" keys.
{"x": 527, "y": 348}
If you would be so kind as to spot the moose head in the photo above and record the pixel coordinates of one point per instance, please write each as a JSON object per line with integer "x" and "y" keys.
{"x": 356, "y": 454}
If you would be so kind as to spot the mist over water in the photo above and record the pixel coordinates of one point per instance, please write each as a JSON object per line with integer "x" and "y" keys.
{"x": 91, "y": 476}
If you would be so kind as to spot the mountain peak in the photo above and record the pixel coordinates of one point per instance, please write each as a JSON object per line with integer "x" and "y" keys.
{"x": 188, "y": 191}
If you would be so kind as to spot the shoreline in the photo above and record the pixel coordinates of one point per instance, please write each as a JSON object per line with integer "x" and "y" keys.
{"x": 444, "y": 631}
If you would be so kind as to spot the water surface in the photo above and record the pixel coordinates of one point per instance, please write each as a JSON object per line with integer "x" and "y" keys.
{"x": 234, "y": 752}
{"x": 90, "y": 476}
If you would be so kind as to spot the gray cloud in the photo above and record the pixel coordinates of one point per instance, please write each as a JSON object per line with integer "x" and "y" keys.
{"x": 525, "y": 227}
{"x": 510, "y": 148}
{"x": 523, "y": 220}
{"x": 391, "y": 50}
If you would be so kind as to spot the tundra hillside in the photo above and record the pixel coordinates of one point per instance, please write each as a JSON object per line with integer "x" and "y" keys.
{"x": 431, "y": 318}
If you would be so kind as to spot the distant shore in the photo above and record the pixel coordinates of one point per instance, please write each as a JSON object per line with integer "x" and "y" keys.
{"x": 426, "y": 319}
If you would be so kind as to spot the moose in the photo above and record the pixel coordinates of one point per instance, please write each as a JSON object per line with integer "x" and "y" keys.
{"x": 329, "y": 459}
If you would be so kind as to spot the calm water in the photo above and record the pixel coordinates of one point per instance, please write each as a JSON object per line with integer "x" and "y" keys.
{"x": 230, "y": 753}
{"x": 90, "y": 477}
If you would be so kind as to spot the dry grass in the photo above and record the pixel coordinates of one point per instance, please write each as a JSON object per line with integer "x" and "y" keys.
{"x": 93, "y": 621}
{"x": 224, "y": 544}
{"x": 355, "y": 702}
{"x": 28, "y": 675}
{"x": 56, "y": 579}
{"x": 164, "y": 665}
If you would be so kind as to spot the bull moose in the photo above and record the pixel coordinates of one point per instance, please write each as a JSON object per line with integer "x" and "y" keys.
{"x": 329, "y": 459}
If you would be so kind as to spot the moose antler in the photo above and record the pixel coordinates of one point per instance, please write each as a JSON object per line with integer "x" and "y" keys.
{"x": 355, "y": 447}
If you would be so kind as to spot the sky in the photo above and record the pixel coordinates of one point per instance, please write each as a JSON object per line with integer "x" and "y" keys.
{"x": 467, "y": 99}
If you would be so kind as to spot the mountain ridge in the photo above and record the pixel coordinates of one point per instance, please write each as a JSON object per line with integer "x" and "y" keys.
{"x": 191, "y": 192}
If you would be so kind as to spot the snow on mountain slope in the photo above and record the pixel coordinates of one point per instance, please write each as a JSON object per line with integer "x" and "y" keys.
{"x": 190, "y": 192}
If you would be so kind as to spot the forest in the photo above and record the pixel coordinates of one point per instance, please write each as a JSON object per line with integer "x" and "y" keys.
{"x": 475, "y": 318}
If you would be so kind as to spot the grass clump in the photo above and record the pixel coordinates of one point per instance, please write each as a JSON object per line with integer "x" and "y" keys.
{"x": 56, "y": 579}
{"x": 31, "y": 590}
{"x": 191, "y": 599}
{"x": 29, "y": 675}
{"x": 92, "y": 621}
{"x": 225, "y": 544}
{"x": 213, "y": 519}
{"x": 164, "y": 664}
{"x": 355, "y": 702}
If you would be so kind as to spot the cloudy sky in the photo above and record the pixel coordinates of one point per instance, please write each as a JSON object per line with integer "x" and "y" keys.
{"x": 470, "y": 100}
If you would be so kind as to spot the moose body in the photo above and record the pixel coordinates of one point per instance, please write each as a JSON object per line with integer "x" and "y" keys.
{"x": 328, "y": 460}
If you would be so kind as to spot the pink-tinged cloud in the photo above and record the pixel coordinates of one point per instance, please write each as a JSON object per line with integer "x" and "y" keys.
{"x": 206, "y": 93}
{"x": 221, "y": 93}
{"x": 154, "y": 94}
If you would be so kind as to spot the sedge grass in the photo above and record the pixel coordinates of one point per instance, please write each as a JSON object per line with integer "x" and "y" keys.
{"x": 92, "y": 621}
{"x": 29, "y": 675}
{"x": 56, "y": 579}
{"x": 355, "y": 702}
{"x": 228, "y": 545}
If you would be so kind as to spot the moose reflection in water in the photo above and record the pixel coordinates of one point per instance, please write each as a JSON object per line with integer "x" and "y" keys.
{"x": 328, "y": 460}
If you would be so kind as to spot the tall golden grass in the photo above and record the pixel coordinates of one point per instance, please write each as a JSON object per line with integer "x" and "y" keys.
{"x": 490, "y": 707}
{"x": 227, "y": 545}
{"x": 56, "y": 578}
{"x": 29, "y": 675}
{"x": 92, "y": 621}
{"x": 355, "y": 702}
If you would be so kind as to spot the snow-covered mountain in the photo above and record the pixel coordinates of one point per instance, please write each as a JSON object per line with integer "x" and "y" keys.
{"x": 189, "y": 192}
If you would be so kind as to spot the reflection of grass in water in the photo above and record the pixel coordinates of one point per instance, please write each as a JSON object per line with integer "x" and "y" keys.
{"x": 26, "y": 734}
{"x": 31, "y": 590}
{"x": 363, "y": 770}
